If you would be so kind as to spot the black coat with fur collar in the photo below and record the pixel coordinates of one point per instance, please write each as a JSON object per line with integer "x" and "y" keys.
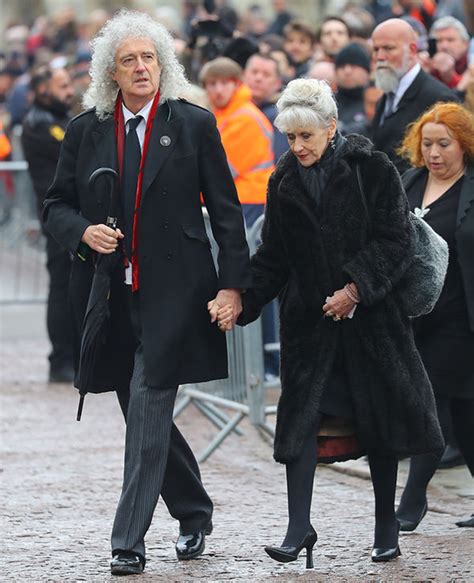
{"x": 306, "y": 254}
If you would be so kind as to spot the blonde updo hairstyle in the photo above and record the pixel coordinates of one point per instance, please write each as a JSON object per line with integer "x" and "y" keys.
{"x": 305, "y": 103}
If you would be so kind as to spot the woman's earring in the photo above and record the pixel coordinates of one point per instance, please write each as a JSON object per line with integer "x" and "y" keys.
{"x": 332, "y": 143}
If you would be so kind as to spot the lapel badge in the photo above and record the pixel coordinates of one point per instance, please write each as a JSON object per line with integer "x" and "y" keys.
{"x": 165, "y": 141}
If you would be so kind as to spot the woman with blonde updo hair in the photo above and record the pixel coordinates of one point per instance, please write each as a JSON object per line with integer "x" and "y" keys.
{"x": 440, "y": 145}
{"x": 352, "y": 379}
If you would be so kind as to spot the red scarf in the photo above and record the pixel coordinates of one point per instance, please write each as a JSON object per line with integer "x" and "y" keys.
{"x": 120, "y": 136}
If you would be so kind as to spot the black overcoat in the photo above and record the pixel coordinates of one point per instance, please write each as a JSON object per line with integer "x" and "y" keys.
{"x": 177, "y": 276}
{"x": 464, "y": 233}
{"x": 41, "y": 138}
{"x": 306, "y": 254}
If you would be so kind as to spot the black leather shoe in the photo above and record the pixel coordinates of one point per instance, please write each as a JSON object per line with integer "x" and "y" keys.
{"x": 410, "y": 525}
{"x": 469, "y": 522}
{"x": 127, "y": 563}
{"x": 452, "y": 458}
{"x": 191, "y": 546}
{"x": 380, "y": 555}
{"x": 287, "y": 554}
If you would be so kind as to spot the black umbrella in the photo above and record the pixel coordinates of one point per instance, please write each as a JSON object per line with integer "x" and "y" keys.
{"x": 97, "y": 316}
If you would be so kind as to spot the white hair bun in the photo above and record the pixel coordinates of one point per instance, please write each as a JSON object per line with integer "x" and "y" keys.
{"x": 305, "y": 93}
{"x": 305, "y": 103}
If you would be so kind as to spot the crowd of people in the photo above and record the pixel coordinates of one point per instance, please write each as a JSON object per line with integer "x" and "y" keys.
{"x": 204, "y": 31}
{"x": 45, "y": 71}
{"x": 380, "y": 96}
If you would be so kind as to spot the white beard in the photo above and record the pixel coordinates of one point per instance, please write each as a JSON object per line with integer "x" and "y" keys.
{"x": 386, "y": 79}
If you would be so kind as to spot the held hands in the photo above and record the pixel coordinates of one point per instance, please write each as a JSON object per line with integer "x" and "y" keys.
{"x": 225, "y": 308}
{"x": 339, "y": 305}
{"x": 101, "y": 238}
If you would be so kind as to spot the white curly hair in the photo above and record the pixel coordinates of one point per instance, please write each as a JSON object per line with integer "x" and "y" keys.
{"x": 102, "y": 92}
{"x": 305, "y": 103}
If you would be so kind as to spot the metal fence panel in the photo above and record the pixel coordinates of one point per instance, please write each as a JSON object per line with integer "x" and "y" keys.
{"x": 243, "y": 393}
{"x": 22, "y": 247}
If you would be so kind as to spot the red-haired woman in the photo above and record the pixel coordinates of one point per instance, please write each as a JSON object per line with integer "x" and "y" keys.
{"x": 440, "y": 145}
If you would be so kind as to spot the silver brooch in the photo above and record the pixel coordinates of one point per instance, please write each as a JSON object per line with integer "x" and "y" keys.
{"x": 165, "y": 141}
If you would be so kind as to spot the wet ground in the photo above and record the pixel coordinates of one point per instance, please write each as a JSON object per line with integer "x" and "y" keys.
{"x": 60, "y": 481}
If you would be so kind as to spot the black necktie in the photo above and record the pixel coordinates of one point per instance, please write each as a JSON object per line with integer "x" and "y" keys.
{"x": 389, "y": 104}
{"x": 131, "y": 164}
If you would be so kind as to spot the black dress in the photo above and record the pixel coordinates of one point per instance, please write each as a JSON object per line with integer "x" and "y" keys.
{"x": 443, "y": 337}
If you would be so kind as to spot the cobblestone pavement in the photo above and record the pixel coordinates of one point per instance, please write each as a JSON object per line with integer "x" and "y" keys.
{"x": 61, "y": 479}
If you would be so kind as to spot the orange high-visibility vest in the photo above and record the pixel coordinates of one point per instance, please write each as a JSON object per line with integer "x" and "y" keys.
{"x": 247, "y": 137}
{"x": 5, "y": 146}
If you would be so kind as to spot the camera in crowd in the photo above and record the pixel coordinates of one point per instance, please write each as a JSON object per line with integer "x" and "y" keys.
{"x": 211, "y": 33}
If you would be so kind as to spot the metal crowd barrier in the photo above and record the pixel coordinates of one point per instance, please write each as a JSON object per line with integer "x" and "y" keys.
{"x": 22, "y": 246}
{"x": 243, "y": 392}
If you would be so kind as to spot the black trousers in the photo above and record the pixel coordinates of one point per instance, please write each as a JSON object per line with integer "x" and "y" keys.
{"x": 158, "y": 460}
{"x": 58, "y": 317}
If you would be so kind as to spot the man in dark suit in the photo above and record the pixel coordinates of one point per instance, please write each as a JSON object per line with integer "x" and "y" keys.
{"x": 408, "y": 90}
{"x": 167, "y": 152}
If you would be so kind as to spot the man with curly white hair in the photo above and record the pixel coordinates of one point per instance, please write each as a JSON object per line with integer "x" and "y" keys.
{"x": 167, "y": 153}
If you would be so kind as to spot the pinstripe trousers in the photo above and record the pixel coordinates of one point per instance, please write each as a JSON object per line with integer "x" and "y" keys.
{"x": 158, "y": 460}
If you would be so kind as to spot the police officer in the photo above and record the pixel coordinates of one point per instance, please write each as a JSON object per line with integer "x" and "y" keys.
{"x": 43, "y": 131}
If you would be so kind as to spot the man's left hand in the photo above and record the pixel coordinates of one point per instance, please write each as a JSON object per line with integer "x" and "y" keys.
{"x": 229, "y": 298}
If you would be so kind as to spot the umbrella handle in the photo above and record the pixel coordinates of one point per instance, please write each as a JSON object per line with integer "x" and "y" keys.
{"x": 99, "y": 172}
{"x": 111, "y": 220}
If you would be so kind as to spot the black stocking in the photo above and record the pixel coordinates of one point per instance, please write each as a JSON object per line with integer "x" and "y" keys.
{"x": 463, "y": 427}
{"x": 299, "y": 480}
{"x": 383, "y": 470}
{"x": 422, "y": 469}
{"x": 413, "y": 500}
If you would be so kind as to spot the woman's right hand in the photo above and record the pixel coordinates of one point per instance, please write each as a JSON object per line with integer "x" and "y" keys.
{"x": 101, "y": 238}
{"x": 339, "y": 305}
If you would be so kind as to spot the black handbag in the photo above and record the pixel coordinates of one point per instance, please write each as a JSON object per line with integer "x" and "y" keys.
{"x": 421, "y": 285}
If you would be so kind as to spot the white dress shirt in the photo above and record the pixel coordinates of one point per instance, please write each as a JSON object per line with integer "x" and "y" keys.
{"x": 404, "y": 83}
{"x": 141, "y": 127}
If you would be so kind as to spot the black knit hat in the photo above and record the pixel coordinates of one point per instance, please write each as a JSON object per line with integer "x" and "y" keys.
{"x": 353, "y": 54}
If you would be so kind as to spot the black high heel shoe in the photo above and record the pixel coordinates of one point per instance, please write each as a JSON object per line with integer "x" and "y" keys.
{"x": 410, "y": 525}
{"x": 384, "y": 554}
{"x": 287, "y": 554}
{"x": 380, "y": 555}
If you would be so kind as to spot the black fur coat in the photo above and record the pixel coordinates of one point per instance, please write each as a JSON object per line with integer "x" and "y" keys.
{"x": 306, "y": 254}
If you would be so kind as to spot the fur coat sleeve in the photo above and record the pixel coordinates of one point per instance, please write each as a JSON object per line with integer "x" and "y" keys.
{"x": 381, "y": 263}
{"x": 269, "y": 265}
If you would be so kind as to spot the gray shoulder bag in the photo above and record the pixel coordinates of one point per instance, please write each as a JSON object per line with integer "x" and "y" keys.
{"x": 421, "y": 285}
